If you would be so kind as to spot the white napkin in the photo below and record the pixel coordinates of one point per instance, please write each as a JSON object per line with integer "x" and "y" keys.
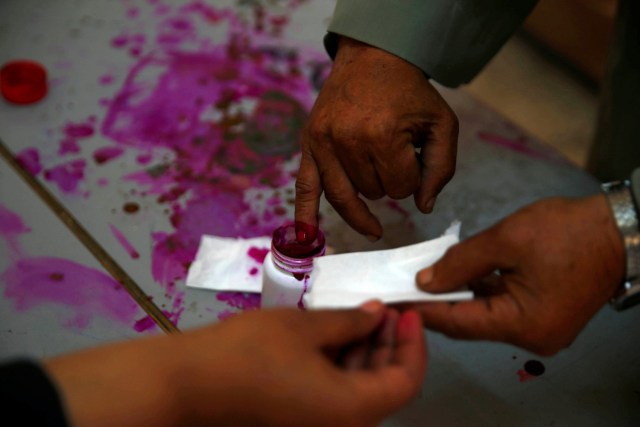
{"x": 228, "y": 264}
{"x": 348, "y": 280}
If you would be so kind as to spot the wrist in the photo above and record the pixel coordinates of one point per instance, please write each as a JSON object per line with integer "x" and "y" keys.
{"x": 350, "y": 50}
{"x": 124, "y": 384}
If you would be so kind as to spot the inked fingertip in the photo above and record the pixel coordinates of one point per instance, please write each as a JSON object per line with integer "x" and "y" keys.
{"x": 305, "y": 233}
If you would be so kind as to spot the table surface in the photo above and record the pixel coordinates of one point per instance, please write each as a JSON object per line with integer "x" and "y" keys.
{"x": 168, "y": 120}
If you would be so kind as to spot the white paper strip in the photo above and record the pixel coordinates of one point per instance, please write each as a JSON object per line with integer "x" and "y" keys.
{"x": 347, "y": 280}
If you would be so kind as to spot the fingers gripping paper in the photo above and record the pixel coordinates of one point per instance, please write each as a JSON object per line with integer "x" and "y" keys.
{"x": 347, "y": 280}
{"x": 344, "y": 280}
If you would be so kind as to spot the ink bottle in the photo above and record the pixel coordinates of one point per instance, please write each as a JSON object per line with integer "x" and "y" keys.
{"x": 288, "y": 267}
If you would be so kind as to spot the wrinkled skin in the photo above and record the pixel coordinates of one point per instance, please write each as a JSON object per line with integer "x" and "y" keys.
{"x": 560, "y": 261}
{"x": 372, "y": 113}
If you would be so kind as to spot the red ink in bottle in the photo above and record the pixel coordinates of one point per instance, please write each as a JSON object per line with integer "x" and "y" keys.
{"x": 287, "y": 268}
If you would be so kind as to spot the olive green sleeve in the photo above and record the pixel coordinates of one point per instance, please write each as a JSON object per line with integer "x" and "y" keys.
{"x": 635, "y": 187}
{"x": 450, "y": 40}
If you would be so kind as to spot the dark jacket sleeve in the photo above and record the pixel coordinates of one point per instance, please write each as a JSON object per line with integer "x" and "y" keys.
{"x": 28, "y": 396}
{"x": 450, "y": 40}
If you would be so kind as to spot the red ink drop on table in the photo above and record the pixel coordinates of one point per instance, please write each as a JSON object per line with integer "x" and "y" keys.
{"x": 23, "y": 82}
{"x": 105, "y": 154}
{"x": 56, "y": 277}
{"x": 131, "y": 207}
{"x": 532, "y": 369}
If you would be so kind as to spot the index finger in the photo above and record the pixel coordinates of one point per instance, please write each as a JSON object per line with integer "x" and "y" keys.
{"x": 307, "y": 203}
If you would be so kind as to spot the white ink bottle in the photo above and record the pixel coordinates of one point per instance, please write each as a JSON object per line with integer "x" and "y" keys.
{"x": 288, "y": 266}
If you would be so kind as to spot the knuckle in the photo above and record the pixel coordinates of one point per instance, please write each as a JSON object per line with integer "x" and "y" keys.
{"x": 337, "y": 197}
{"x": 306, "y": 189}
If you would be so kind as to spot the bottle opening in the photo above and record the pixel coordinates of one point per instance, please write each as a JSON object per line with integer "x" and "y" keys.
{"x": 290, "y": 254}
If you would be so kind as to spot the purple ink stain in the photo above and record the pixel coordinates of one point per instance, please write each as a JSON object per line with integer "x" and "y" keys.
{"x": 305, "y": 288}
{"x": 120, "y": 41}
{"x": 522, "y": 145}
{"x": 224, "y": 115}
{"x": 87, "y": 293}
{"x": 258, "y": 254}
{"x": 225, "y": 314}
{"x": 254, "y": 271}
{"x": 68, "y": 146}
{"x": 133, "y": 12}
{"x": 243, "y": 301}
{"x": 124, "y": 242}
{"x": 106, "y": 79}
{"x": 144, "y": 159}
{"x": 144, "y": 324}
{"x": 79, "y": 130}
{"x": 147, "y": 323}
{"x": 395, "y": 206}
{"x": 29, "y": 159}
{"x": 67, "y": 175}
{"x": 106, "y": 154}
{"x": 11, "y": 227}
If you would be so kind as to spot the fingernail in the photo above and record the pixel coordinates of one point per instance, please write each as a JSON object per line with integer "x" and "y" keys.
{"x": 372, "y": 238}
{"x": 430, "y": 204}
{"x": 424, "y": 277}
{"x": 372, "y": 306}
{"x": 305, "y": 233}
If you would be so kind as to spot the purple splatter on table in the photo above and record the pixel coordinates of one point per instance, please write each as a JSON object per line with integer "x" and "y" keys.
{"x": 207, "y": 120}
{"x": 124, "y": 242}
{"x": 31, "y": 282}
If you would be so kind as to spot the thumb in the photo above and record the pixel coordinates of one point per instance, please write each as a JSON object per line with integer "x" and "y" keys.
{"x": 469, "y": 260}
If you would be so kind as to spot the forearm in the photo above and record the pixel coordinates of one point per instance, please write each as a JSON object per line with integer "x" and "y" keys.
{"x": 129, "y": 384}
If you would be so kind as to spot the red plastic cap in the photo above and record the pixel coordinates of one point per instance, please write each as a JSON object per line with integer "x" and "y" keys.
{"x": 23, "y": 82}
